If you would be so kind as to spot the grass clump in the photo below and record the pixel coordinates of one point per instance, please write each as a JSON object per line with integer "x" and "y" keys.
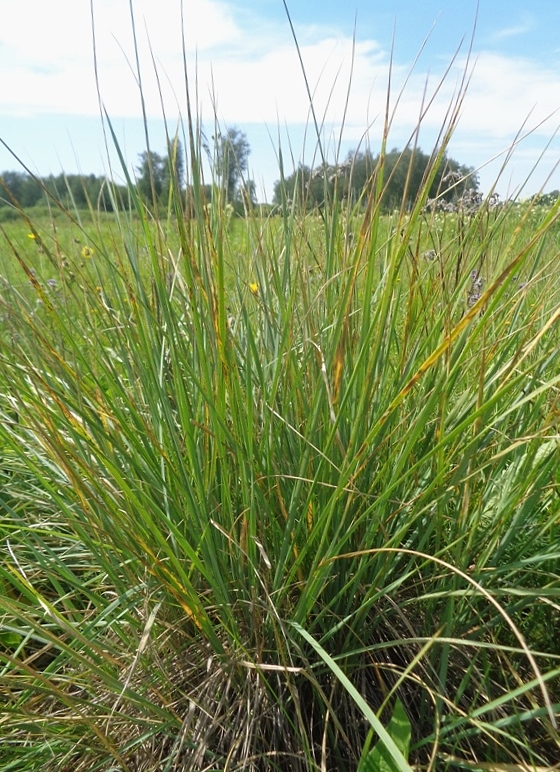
{"x": 268, "y": 482}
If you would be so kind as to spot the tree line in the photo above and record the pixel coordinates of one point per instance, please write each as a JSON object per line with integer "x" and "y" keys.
{"x": 157, "y": 174}
{"x": 82, "y": 191}
{"x": 404, "y": 174}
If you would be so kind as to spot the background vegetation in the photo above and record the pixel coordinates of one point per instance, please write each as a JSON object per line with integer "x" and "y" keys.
{"x": 156, "y": 175}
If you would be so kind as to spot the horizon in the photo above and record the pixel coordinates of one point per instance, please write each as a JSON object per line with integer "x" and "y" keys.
{"x": 244, "y": 71}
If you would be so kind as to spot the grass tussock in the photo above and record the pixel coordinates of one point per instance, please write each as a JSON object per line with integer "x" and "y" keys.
{"x": 268, "y": 482}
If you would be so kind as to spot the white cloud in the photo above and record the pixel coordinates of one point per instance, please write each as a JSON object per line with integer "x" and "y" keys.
{"x": 505, "y": 92}
{"x": 512, "y": 32}
{"x": 527, "y": 23}
{"x": 253, "y": 72}
{"x": 35, "y": 34}
{"x": 61, "y": 30}
{"x": 271, "y": 86}
{"x": 46, "y": 49}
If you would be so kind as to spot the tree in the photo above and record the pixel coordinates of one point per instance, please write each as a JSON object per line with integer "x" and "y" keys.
{"x": 19, "y": 188}
{"x": 359, "y": 166}
{"x": 246, "y": 196}
{"x": 232, "y": 155}
{"x": 158, "y": 174}
{"x": 152, "y": 174}
{"x": 175, "y": 162}
{"x": 406, "y": 171}
{"x": 307, "y": 187}
{"x": 404, "y": 174}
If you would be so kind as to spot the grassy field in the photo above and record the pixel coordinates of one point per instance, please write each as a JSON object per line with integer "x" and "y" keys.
{"x": 268, "y": 482}
{"x": 280, "y": 493}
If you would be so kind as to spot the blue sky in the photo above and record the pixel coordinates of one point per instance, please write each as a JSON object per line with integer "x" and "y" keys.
{"x": 248, "y": 75}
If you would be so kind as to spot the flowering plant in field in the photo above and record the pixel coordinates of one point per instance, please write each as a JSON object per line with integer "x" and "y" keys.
{"x": 87, "y": 252}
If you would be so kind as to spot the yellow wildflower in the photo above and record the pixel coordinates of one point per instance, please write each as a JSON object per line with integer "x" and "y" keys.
{"x": 87, "y": 252}
{"x": 254, "y": 287}
{"x": 32, "y": 236}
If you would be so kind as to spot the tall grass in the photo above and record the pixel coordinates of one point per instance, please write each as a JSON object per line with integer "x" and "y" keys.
{"x": 265, "y": 479}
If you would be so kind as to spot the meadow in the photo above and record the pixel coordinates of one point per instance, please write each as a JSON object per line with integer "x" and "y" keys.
{"x": 280, "y": 493}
